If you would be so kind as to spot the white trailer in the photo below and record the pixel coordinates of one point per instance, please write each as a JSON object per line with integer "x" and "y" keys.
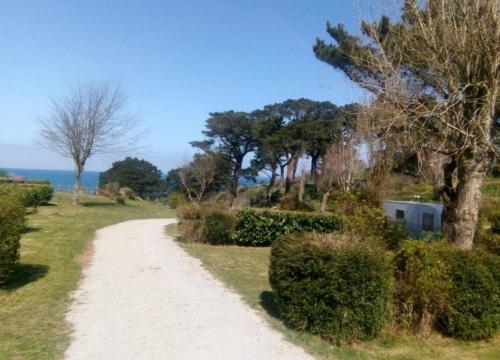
{"x": 419, "y": 217}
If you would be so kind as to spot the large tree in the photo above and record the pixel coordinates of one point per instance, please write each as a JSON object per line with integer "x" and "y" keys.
{"x": 232, "y": 134}
{"x": 435, "y": 79}
{"x": 139, "y": 175}
{"x": 89, "y": 121}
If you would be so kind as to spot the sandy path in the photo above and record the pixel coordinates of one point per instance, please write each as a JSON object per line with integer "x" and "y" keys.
{"x": 143, "y": 297}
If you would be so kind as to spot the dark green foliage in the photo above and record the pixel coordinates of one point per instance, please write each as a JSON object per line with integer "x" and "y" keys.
{"x": 218, "y": 227}
{"x": 473, "y": 311}
{"x": 139, "y": 175}
{"x": 338, "y": 290}
{"x": 12, "y": 214}
{"x": 261, "y": 228}
{"x": 371, "y": 225}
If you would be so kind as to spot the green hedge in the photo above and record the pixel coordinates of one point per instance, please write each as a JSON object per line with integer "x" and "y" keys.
{"x": 341, "y": 291}
{"x": 456, "y": 292}
{"x": 12, "y": 214}
{"x": 219, "y": 226}
{"x": 261, "y": 228}
{"x": 33, "y": 194}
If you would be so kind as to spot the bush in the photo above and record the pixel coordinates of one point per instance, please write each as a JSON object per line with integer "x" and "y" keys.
{"x": 176, "y": 199}
{"x": 292, "y": 203}
{"x": 218, "y": 226}
{"x": 261, "y": 228}
{"x": 12, "y": 214}
{"x": 371, "y": 225}
{"x": 127, "y": 193}
{"x": 473, "y": 311}
{"x": 338, "y": 289}
{"x": 112, "y": 191}
{"x": 191, "y": 224}
{"x": 33, "y": 194}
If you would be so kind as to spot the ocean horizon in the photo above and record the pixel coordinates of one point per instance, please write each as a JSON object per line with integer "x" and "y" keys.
{"x": 61, "y": 180}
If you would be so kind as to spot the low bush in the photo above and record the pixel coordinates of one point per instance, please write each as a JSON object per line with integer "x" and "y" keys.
{"x": 33, "y": 194}
{"x": 112, "y": 191}
{"x": 457, "y": 292}
{"x": 331, "y": 286}
{"x": 191, "y": 224}
{"x": 292, "y": 203}
{"x": 261, "y": 228}
{"x": 372, "y": 225}
{"x": 473, "y": 311}
{"x": 219, "y": 224}
{"x": 176, "y": 199}
{"x": 12, "y": 214}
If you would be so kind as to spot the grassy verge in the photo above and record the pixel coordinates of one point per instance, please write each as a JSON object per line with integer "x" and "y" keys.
{"x": 34, "y": 303}
{"x": 245, "y": 271}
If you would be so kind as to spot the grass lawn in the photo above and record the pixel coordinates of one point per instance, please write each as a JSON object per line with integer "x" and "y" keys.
{"x": 245, "y": 271}
{"x": 53, "y": 249}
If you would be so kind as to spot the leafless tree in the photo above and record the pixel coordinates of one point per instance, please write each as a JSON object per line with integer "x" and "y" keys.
{"x": 435, "y": 79}
{"x": 89, "y": 121}
{"x": 340, "y": 167}
{"x": 198, "y": 175}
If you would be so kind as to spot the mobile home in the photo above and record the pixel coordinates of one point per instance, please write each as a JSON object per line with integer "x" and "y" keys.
{"x": 419, "y": 217}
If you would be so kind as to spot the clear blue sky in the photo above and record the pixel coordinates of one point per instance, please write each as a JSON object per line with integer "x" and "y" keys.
{"x": 178, "y": 61}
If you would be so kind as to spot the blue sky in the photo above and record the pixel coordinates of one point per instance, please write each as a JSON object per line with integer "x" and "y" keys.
{"x": 177, "y": 60}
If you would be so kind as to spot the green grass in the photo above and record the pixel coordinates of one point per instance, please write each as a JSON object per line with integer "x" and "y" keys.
{"x": 245, "y": 270}
{"x": 34, "y": 302}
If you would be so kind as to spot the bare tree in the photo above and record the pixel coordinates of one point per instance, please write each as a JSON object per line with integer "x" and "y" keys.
{"x": 340, "y": 167}
{"x": 89, "y": 121}
{"x": 197, "y": 176}
{"x": 435, "y": 78}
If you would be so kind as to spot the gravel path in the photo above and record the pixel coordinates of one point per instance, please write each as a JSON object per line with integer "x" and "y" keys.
{"x": 143, "y": 297}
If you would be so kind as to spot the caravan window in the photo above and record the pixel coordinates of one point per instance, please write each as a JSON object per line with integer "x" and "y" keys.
{"x": 400, "y": 214}
{"x": 427, "y": 222}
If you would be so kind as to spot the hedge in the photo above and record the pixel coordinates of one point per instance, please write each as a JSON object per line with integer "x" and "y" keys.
{"x": 33, "y": 194}
{"x": 341, "y": 291}
{"x": 12, "y": 214}
{"x": 261, "y": 228}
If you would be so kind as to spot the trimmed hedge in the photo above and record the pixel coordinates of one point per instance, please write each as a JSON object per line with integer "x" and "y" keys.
{"x": 219, "y": 225}
{"x": 339, "y": 290}
{"x": 261, "y": 228}
{"x": 12, "y": 214}
{"x": 33, "y": 194}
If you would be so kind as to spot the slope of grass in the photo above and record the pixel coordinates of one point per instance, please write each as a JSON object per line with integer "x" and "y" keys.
{"x": 33, "y": 304}
{"x": 245, "y": 270}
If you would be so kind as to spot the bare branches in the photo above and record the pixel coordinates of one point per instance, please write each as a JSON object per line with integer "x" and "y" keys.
{"x": 197, "y": 176}
{"x": 89, "y": 121}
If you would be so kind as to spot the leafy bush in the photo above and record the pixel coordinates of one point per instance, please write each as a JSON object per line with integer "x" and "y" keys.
{"x": 333, "y": 287}
{"x": 219, "y": 224}
{"x": 175, "y": 199}
{"x": 292, "y": 203}
{"x": 33, "y": 194}
{"x": 12, "y": 214}
{"x": 112, "y": 191}
{"x": 473, "y": 311}
{"x": 191, "y": 224}
{"x": 127, "y": 193}
{"x": 424, "y": 283}
{"x": 371, "y": 225}
{"x": 261, "y": 228}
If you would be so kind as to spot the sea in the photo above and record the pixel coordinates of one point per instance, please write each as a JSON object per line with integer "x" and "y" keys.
{"x": 61, "y": 180}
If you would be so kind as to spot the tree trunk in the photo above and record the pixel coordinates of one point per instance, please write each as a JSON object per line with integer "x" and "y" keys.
{"x": 302, "y": 186}
{"x": 295, "y": 166}
{"x": 271, "y": 184}
{"x": 314, "y": 165}
{"x": 234, "y": 185}
{"x": 324, "y": 201}
{"x": 289, "y": 174}
{"x": 76, "y": 189}
{"x": 461, "y": 204}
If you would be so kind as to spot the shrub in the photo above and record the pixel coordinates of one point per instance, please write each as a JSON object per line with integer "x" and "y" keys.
{"x": 261, "y": 228}
{"x": 371, "y": 225}
{"x": 340, "y": 290}
{"x": 473, "y": 311}
{"x": 12, "y": 214}
{"x": 424, "y": 283}
{"x": 112, "y": 191}
{"x": 219, "y": 224}
{"x": 175, "y": 199}
{"x": 127, "y": 193}
{"x": 33, "y": 194}
{"x": 191, "y": 224}
{"x": 292, "y": 203}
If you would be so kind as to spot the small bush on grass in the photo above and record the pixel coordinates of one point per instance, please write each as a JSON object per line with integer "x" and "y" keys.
{"x": 33, "y": 194}
{"x": 331, "y": 286}
{"x": 261, "y": 228}
{"x": 219, "y": 224}
{"x": 473, "y": 311}
{"x": 292, "y": 203}
{"x": 191, "y": 223}
{"x": 112, "y": 191}
{"x": 12, "y": 214}
{"x": 176, "y": 199}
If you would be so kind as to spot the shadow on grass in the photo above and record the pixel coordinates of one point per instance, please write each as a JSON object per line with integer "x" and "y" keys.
{"x": 268, "y": 303}
{"x": 23, "y": 274}
{"x": 30, "y": 229}
{"x": 100, "y": 204}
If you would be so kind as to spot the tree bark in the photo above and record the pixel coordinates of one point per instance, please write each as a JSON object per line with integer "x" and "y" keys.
{"x": 270, "y": 186}
{"x": 77, "y": 187}
{"x": 314, "y": 165}
{"x": 234, "y": 185}
{"x": 461, "y": 204}
{"x": 290, "y": 169}
{"x": 324, "y": 201}
{"x": 302, "y": 186}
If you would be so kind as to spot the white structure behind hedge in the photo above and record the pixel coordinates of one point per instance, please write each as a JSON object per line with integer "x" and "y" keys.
{"x": 419, "y": 217}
